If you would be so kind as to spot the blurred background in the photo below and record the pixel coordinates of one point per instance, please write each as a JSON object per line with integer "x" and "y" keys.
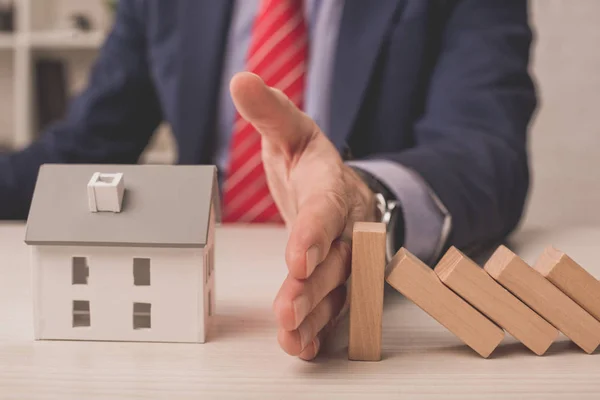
{"x": 48, "y": 46}
{"x": 46, "y": 50}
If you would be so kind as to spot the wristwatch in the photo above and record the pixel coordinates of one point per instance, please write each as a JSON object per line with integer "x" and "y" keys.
{"x": 389, "y": 212}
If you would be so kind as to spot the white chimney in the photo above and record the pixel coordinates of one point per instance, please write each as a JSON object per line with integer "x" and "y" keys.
{"x": 105, "y": 192}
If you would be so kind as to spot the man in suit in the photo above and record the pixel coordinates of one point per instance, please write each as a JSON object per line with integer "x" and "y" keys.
{"x": 410, "y": 112}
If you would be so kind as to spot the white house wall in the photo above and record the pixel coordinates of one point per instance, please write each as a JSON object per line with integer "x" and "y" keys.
{"x": 175, "y": 293}
{"x": 209, "y": 286}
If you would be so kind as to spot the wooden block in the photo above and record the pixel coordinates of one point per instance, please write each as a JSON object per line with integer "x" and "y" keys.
{"x": 544, "y": 298}
{"x": 366, "y": 291}
{"x": 473, "y": 284}
{"x": 571, "y": 278}
{"x": 415, "y": 280}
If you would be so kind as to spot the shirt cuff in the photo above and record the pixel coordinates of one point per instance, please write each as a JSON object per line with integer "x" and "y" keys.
{"x": 427, "y": 222}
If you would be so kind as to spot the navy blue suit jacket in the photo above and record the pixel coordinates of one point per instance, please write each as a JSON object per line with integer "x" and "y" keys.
{"x": 441, "y": 87}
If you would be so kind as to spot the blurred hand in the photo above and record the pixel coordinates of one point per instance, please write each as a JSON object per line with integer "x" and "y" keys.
{"x": 320, "y": 198}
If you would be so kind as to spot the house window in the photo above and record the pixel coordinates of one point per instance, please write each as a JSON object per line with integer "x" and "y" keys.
{"x": 81, "y": 313}
{"x": 208, "y": 264}
{"x": 205, "y": 268}
{"x": 142, "y": 318}
{"x": 80, "y": 271}
{"x": 141, "y": 271}
{"x": 211, "y": 261}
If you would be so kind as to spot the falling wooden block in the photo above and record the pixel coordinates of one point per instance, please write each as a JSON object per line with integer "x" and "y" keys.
{"x": 415, "y": 280}
{"x": 366, "y": 291}
{"x": 473, "y": 284}
{"x": 571, "y": 278}
{"x": 544, "y": 298}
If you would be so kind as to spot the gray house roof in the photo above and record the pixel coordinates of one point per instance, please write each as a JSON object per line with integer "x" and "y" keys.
{"x": 163, "y": 206}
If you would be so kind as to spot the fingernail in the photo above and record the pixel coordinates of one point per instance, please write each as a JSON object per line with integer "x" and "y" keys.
{"x": 301, "y": 309}
{"x": 313, "y": 256}
{"x": 305, "y": 338}
{"x": 317, "y": 344}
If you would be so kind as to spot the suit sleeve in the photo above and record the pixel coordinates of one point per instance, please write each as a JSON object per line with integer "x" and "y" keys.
{"x": 471, "y": 140}
{"x": 111, "y": 121}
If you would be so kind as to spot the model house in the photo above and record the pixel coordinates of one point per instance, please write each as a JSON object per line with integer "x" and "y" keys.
{"x": 123, "y": 252}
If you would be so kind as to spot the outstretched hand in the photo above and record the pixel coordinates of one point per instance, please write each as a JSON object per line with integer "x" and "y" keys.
{"x": 319, "y": 198}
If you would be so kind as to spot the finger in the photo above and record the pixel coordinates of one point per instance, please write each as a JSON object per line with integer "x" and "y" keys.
{"x": 339, "y": 325}
{"x": 294, "y": 342}
{"x": 312, "y": 350}
{"x": 271, "y": 113}
{"x": 297, "y": 298}
{"x": 321, "y": 219}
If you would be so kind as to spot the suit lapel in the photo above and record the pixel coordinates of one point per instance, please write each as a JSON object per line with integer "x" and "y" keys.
{"x": 203, "y": 39}
{"x": 362, "y": 31}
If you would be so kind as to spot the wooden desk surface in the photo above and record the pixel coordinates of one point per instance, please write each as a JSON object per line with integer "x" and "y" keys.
{"x": 421, "y": 359}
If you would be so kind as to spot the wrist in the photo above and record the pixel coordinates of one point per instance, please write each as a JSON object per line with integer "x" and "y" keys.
{"x": 387, "y": 209}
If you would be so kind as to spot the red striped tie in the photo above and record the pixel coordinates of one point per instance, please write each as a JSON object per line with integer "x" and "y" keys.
{"x": 278, "y": 54}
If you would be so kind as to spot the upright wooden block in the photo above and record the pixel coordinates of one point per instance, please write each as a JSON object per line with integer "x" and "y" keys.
{"x": 366, "y": 291}
{"x": 571, "y": 278}
{"x": 473, "y": 284}
{"x": 544, "y": 298}
{"x": 415, "y": 280}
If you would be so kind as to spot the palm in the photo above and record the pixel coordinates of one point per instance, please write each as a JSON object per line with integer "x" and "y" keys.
{"x": 287, "y": 177}
{"x": 319, "y": 197}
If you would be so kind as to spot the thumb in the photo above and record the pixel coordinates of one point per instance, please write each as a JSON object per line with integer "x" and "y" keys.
{"x": 272, "y": 114}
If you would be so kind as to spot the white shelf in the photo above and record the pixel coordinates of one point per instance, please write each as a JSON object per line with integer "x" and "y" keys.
{"x": 48, "y": 40}
{"x": 42, "y": 27}
{"x": 65, "y": 40}
{"x": 45, "y": 27}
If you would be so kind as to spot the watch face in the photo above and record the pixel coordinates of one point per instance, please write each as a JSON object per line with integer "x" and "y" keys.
{"x": 381, "y": 207}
